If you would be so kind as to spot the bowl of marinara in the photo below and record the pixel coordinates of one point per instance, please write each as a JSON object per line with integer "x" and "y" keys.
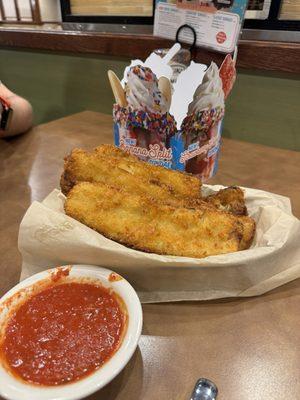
{"x": 66, "y": 332}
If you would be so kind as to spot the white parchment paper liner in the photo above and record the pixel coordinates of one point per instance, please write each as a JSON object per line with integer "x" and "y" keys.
{"x": 48, "y": 237}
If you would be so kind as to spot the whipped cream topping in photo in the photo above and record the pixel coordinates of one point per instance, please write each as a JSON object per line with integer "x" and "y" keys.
{"x": 142, "y": 92}
{"x": 209, "y": 93}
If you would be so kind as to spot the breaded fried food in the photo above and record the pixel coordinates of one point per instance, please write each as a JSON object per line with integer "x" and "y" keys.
{"x": 113, "y": 166}
{"x": 109, "y": 150}
{"x": 231, "y": 199}
{"x": 137, "y": 221}
{"x": 117, "y": 173}
{"x": 249, "y": 227}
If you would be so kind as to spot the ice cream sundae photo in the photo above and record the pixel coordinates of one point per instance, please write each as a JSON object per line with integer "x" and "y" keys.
{"x": 145, "y": 124}
{"x": 199, "y": 128}
{"x": 187, "y": 138}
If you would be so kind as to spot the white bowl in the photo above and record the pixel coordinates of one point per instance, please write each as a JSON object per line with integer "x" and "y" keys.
{"x": 14, "y": 389}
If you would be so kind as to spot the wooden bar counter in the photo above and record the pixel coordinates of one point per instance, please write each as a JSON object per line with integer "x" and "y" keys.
{"x": 249, "y": 347}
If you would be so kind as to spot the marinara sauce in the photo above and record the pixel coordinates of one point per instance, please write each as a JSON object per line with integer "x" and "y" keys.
{"x": 63, "y": 333}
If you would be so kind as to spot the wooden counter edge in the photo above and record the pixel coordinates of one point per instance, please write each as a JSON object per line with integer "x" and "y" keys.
{"x": 259, "y": 55}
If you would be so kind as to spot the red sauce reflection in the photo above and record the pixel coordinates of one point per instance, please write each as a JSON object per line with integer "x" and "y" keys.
{"x": 63, "y": 333}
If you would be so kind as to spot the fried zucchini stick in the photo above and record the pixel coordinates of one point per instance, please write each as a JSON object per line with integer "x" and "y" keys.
{"x": 137, "y": 221}
{"x": 113, "y": 166}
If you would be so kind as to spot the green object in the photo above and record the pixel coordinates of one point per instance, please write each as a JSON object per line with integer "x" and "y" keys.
{"x": 58, "y": 85}
{"x": 263, "y": 107}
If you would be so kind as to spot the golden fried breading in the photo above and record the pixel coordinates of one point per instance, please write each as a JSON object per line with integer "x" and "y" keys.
{"x": 109, "y": 150}
{"x": 231, "y": 199}
{"x": 109, "y": 164}
{"x": 141, "y": 223}
{"x": 102, "y": 165}
{"x": 249, "y": 227}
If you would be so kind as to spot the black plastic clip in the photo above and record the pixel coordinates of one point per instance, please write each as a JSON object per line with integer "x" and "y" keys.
{"x": 193, "y": 45}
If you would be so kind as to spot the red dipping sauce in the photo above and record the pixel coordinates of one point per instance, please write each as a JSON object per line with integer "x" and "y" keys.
{"x": 63, "y": 333}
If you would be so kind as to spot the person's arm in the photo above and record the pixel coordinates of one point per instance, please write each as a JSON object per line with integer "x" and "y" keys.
{"x": 21, "y": 119}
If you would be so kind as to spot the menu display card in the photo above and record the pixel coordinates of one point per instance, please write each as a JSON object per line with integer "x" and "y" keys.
{"x": 217, "y": 23}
